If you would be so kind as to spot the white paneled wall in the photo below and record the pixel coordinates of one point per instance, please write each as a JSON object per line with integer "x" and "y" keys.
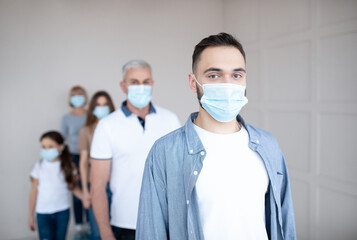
{"x": 46, "y": 47}
{"x": 302, "y": 87}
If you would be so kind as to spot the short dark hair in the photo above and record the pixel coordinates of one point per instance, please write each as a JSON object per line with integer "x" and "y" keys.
{"x": 219, "y": 40}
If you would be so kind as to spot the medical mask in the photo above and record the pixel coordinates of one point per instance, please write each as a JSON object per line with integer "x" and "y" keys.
{"x": 49, "y": 154}
{"x": 78, "y": 100}
{"x": 223, "y": 101}
{"x": 101, "y": 111}
{"x": 139, "y": 95}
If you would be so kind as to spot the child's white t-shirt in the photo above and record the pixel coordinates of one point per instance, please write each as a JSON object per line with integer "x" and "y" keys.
{"x": 231, "y": 188}
{"x": 53, "y": 193}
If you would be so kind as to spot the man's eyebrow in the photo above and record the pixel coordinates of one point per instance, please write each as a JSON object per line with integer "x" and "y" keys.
{"x": 213, "y": 70}
{"x": 239, "y": 70}
{"x": 220, "y": 70}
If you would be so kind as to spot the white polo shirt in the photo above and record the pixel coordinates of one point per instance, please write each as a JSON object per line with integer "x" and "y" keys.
{"x": 121, "y": 137}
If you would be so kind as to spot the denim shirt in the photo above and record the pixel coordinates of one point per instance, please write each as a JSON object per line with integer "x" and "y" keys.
{"x": 168, "y": 207}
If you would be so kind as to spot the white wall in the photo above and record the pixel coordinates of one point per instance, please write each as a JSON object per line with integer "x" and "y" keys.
{"x": 301, "y": 62}
{"x": 301, "y": 58}
{"x": 48, "y": 46}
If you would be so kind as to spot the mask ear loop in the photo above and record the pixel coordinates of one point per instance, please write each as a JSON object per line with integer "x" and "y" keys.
{"x": 196, "y": 80}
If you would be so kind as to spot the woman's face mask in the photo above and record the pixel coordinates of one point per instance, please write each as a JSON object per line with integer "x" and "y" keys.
{"x": 77, "y": 100}
{"x": 101, "y": 111}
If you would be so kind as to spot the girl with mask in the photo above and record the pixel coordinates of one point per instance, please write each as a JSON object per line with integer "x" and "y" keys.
{"x": 71, "y": 124}
{"x": 100, "y": 106}
{"x": 52, "y": 177}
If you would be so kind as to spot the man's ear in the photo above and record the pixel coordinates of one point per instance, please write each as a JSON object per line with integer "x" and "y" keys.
{"x": 123, "y": 87}
{"x": 192, "y": 82}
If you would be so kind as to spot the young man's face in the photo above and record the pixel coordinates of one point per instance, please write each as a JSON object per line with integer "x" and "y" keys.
{"x": 219, "y": 65}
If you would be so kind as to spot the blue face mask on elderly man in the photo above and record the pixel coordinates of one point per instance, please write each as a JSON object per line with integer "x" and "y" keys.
{"x": 139, "y": 95}
{"x": 223, "y": 101}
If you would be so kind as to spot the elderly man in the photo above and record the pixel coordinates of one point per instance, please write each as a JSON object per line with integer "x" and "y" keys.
{"x": 217, "y": 177}
{"x": 119, "y": 148}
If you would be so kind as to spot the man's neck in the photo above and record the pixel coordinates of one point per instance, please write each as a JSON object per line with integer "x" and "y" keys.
{"x": 206, "y": 121}
{"x": 140, "y": 112}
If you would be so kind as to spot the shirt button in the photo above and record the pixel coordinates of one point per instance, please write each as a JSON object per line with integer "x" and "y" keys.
{"x": 195, "y": 173}
{"x": 191, "y": 151}
{"x": 202, "y": 153}
{"x": 187, "y": 202}
{"x": 257, "y": 141}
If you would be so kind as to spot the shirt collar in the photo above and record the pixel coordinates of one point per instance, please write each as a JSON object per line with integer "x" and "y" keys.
{"x": 127, "y": 112}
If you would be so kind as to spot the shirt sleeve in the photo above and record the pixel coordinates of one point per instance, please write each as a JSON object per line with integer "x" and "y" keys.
{"x": 152, "y": 222}
{"x": 101, "y": 147}
{"x": 35, "y": 172}
{"x": 287, "y": 209}
{"x": 83, "y": 143}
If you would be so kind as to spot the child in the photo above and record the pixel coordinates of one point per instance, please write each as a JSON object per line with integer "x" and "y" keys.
{"x": 100, "y": 106}
{"x": 52, "y": 177}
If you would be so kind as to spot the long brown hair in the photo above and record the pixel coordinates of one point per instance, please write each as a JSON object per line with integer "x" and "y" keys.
{"x": 67, "y": 166}
{"x": 91, "y": 119}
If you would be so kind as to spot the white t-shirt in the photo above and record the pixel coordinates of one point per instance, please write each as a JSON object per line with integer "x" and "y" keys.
{"x": 53, "y": 193}
{"x": 123, "y": 139}
{"x": 231, "y": 188}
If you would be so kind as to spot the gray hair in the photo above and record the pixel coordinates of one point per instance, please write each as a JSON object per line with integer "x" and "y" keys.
{"x": 135, "y": 64}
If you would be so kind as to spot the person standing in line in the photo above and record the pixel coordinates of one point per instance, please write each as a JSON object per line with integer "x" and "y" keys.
{"x": 217, "y": 177}
{"x": 100, "y": 106}
{"x": 119, "y": 148}
{"x": 71, "y": 125}
{"x": 52, "y": 177}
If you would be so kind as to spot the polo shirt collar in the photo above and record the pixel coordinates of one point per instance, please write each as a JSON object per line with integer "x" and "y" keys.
{"x": 127, "y": 112}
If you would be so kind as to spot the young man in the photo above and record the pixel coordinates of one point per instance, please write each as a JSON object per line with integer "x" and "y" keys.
{"x": 119, "y": 148}
{"x": 217, "y": 177}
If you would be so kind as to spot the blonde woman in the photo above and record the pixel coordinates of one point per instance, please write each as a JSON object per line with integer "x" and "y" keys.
{"x": 71, "y": 124}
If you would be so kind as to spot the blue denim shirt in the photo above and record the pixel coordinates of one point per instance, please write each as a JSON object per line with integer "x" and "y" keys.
{"x": 168, "y": 207}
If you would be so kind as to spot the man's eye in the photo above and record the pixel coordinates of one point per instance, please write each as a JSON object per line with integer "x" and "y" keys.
{"x": 213, "y": 76}
{"x": 237, "y": 75}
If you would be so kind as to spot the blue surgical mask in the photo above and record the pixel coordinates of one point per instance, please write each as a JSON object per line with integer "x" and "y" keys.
{"x": 101, "y": 111}
{"x": 223, "y": 101}
{"x": 49, "y": 154}
{"x": 78, "y": 100}
{"x": 139, "y": 95}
